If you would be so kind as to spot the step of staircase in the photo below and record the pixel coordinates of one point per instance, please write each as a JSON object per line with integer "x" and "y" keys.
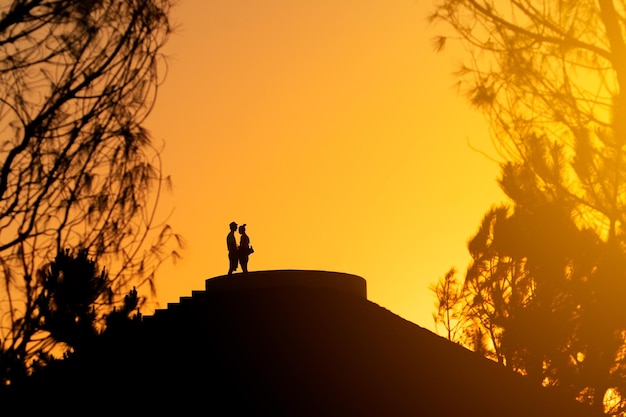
{"x": 271, "y": 279}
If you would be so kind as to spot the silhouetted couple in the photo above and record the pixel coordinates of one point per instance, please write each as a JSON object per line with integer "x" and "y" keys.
{"x": 238, "y": 254}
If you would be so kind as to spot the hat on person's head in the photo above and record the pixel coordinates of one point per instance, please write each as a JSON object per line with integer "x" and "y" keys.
{"x": 233, "y": 224}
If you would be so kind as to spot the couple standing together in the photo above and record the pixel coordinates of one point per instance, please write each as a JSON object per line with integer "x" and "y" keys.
{"x": 238, "y": 254}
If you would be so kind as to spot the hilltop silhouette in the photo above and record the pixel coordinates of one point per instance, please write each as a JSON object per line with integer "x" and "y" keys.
{"x": 285, "y": 343}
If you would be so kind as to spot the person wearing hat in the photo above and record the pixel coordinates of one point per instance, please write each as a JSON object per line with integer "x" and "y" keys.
{"x": 233, "y": 252}
{"x": 244, "y": 248}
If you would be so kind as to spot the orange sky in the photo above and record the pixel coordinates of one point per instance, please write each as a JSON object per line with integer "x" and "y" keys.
{"x": 334, "y": 131}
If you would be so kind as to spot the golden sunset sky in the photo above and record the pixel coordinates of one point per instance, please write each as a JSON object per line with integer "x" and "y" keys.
{"x": 334, "y": 131}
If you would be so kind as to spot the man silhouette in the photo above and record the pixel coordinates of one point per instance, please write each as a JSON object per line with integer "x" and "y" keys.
{"x": 231, "y": 244}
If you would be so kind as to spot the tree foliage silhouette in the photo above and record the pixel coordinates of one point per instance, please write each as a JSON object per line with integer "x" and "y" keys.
{"x": 70, "y": 288}
{"x": 449, "y": 295}
{"x": 544, "y": 292}
{"x": 66, "y": 314}
{"x": 77, "y": 167}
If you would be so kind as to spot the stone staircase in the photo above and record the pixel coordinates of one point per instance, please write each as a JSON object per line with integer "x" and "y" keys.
{"x": 273, "y": 279}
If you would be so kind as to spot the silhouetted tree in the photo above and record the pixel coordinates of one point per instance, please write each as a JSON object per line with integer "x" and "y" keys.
{"x": 449, "y": 294}
{"x": 67, "y": 314}
{"x": 69, "y": 291}
{"x": 77, "y": 167}
{"x": 551, "y": 77}
{"x": 127, "y": 315}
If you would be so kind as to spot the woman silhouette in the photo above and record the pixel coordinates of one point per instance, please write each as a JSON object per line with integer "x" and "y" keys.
{"x": 244, "y": 248}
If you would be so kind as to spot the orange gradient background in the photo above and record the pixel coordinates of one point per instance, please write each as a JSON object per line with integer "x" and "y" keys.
{"x": 334, "y": 131}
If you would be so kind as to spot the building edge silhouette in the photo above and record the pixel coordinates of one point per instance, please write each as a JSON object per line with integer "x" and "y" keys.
{"x": 288, "y": 343}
